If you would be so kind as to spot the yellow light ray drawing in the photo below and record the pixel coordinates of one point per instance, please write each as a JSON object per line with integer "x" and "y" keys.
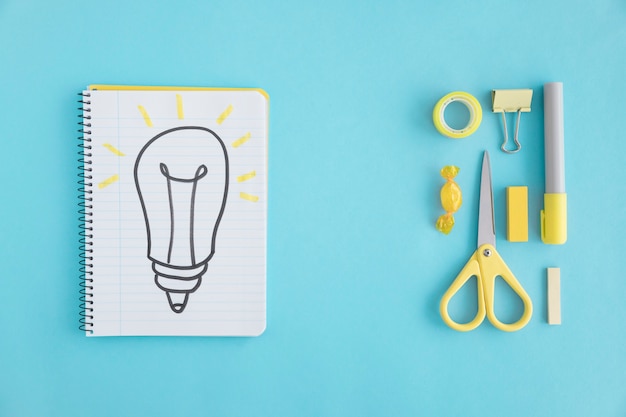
{"x": 241, "y": 140}
{"x": 225, "y": 114}
{"x": 179, "y": 106}
{"x": 109, "y": 181}
{"x": 145, "y": 115}
{"x": 113, "y": 149}
{"x": 246, "y": 177}
{"x": 249, "y": 197}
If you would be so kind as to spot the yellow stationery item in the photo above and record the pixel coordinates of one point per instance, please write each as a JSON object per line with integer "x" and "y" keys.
{"x": 451, "y": 199}
{"x": 476, "y": 114}
{"x": 517, "y": 214}
{"x": 554, "y": 295}
{"x": 511, "y": 101}
{"x": 554, "y": 213}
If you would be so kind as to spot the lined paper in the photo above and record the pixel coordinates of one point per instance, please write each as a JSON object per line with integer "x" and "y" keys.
{"x": 182, "y": 183}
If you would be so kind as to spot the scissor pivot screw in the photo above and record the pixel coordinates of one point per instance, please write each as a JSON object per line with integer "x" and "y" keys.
{"x": 487, "y": 252}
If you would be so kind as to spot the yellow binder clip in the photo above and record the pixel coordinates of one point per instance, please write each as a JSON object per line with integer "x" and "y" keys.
{"x": 508, "y": 101}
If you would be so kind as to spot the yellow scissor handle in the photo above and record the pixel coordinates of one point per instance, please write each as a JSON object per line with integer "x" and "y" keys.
{"x": 486, "y": 264}
{"x": 491, "y": 265}
{"x": 471, "y": 268}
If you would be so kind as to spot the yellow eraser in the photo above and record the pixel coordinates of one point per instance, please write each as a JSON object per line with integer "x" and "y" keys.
{"x": 554, "y": 295}
{"x": 517, "y": 214}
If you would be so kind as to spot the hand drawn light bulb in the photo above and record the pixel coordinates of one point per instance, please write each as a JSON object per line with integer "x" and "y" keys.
{"x": 181, "y": 177}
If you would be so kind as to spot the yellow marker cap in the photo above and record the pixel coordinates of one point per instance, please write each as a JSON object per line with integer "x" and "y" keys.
{"x": 554, "y": 218}
{"x": 517, "y": 214}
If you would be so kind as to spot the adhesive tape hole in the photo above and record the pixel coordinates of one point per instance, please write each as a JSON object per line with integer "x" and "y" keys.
{"x": 472, "y": 105}
{"x": 457, "y": 115}
{"x": 472, "y": 115}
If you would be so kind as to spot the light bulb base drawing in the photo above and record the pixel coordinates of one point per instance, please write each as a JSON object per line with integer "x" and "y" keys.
{"x": 178, "y": 283}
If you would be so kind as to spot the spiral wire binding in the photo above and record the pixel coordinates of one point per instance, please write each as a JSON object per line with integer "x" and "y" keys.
{"x": 85, "y": 212}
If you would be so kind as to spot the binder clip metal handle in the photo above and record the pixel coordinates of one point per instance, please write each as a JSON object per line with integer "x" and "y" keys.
{"x": 509, "y": 101}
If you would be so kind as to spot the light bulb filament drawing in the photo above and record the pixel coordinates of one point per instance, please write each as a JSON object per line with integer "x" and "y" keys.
{"x": 181, "y": 176}
{"x": 179, "y": 182}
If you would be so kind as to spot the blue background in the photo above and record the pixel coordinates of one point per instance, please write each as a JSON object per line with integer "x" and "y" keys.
{"x": 355, "y": 266}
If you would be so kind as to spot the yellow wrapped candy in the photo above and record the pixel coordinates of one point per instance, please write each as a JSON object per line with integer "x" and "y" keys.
{"x": 451, "y": 199}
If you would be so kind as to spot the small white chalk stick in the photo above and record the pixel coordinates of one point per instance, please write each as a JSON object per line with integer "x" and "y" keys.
{"x": 554, "y": 295}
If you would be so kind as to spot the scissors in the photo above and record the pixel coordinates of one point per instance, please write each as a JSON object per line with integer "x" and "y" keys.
{"x": 486, "y": 264}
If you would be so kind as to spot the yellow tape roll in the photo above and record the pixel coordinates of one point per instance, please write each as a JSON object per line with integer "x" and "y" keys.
{"x": 476, "y": 114}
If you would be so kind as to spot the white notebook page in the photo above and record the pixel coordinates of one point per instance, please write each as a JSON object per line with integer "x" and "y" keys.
{"x": 179, "y": 212}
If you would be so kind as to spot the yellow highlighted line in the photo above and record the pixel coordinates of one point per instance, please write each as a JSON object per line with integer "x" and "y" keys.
{"x": 246, "y": 177}
{"x": 113, "y": 149}
{"x": 241, "y": 140}
{"x": 249, "y": 197}
{"x": 179, "y": 106}
{"x": 225, "y": 114}
{"x": 144, "y": 113}
{"x": 109, "y": 181}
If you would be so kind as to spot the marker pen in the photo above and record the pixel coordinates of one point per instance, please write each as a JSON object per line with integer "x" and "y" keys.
{"x": 554, "y": 214}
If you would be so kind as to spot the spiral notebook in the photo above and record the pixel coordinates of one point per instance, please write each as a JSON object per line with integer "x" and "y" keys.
{"x": 173, "y": 211}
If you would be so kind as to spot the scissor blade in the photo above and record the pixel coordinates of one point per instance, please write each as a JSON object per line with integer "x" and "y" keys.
{"x": 486, "y": 220}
